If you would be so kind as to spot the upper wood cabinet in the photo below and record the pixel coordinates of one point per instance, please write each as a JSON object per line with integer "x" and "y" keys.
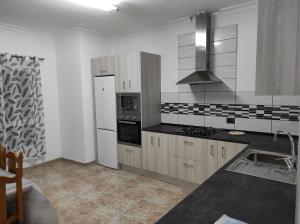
{"x": 126, "y": 67}
{"x": 103, "y": 66}
{"x": 278, "y": 47}
{"x": 128, "y": 72}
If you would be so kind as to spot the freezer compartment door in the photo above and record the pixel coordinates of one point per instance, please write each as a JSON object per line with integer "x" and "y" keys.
{"x": 105, "y": 99}
{"x": 107, "y": 148}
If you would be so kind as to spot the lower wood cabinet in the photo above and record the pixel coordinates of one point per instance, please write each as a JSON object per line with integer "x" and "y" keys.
{"x": 185, "y": 158}
{"x": 191, "y": 170}
{"x": 212, "y": 158}
{"x": 155, "y": 156}
{"x": 130, "y": 155}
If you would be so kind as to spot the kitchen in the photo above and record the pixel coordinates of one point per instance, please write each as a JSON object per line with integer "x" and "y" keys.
{"x": 151, "y": 101}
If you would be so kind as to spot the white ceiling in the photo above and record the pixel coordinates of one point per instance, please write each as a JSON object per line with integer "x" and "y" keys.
{"x": 55, "y": 16}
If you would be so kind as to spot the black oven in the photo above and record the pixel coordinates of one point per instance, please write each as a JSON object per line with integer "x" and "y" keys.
{"x": 129, "y": 132}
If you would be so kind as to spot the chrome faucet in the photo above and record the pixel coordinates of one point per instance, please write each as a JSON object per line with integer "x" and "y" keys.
{"x": 291, "y": 162}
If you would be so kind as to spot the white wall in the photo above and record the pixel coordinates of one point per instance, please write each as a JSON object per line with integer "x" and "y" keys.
{"x": 70, "y": 99}
{"x": 163, "y": 41}
{"x": 74, "y": 51}
{"x": 92, "y": 46}
{"x": 22, "y": 41}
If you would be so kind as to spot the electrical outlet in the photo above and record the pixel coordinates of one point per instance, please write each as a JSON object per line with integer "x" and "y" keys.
{"x": 230, "y": 120}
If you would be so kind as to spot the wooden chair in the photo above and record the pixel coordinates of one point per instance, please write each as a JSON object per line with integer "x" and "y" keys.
{"x": 11, "y": 171}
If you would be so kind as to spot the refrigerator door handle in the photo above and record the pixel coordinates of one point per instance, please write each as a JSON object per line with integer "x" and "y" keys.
{"x": 127, "y": 122}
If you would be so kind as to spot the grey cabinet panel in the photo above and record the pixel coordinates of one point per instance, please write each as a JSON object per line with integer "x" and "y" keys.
{"x": 278, "y": 50}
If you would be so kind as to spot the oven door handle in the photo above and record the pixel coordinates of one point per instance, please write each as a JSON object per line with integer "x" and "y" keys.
{"x": 127, "y": 122}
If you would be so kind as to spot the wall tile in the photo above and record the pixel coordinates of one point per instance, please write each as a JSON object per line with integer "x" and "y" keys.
{"x": 186, "y": 39}
{"x": 223, "y": 33}
{"x": 257, "y": 125}
{"x": 286, "y": 100}
{"x": 217, "y": 122}
{"x": 187, "y": 52}
{"x": 223, "y": 59}
{"x": 219, "y": 97}
{"x": 191, "y": 88}
{"x": 194, "y": 120}
{"x": 223, "y": 46}
{"x": 186, "y": 63}
{"x": 169, "y": 118}
{"x": 225, "y": 72}
{"x": 224, "y": 86}
{"x": 250, "y": 98}
{"x": 191, "y": 97}
{"x": 169, "y": 97}
{"x": 290, "y": 126}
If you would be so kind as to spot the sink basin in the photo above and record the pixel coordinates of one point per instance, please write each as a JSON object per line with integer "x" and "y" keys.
{"x": 263, "y": 157}
{"x": 264, "y": 164}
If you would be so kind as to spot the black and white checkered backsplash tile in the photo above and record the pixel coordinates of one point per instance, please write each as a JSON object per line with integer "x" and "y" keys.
{"x": 285, "y": 113}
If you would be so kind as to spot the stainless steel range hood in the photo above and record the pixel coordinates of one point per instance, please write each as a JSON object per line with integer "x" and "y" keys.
{"x": 202, "y": 73}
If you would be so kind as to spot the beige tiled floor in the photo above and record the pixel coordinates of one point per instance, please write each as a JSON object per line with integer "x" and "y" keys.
{"x": 95, "y": 194}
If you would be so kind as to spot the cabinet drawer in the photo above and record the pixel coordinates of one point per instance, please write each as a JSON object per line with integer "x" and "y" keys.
{"x": 191, "y": 148}
{"x": 191, "y": 170}
{"x": 130, "y": 156}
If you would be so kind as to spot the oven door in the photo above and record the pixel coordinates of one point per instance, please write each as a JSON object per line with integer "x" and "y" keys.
{"x": 129, "y": 132}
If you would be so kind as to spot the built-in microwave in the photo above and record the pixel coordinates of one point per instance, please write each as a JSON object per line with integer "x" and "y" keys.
{"x": 128, "y": 106}
{"x": 129, "y": 118}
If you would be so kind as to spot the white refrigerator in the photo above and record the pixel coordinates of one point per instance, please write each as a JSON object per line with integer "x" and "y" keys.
{"x": 106, "y": 117}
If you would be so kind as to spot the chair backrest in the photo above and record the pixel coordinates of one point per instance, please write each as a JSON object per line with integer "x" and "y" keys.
{"x": 11, "y": 160}
{"x": 2, "y": 157}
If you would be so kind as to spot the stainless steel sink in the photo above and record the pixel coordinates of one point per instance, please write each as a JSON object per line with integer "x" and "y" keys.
{"x": 264, "y": 164}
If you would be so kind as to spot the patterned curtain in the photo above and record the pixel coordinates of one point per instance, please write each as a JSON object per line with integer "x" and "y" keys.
{"x": 21, "y": 106}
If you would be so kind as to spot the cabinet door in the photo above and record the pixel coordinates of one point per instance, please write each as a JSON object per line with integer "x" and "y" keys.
{"x": 148, "y": 151}
{"x": 130, "y": 156}
{"x": 226, "y": 151}
{"x": 123, "y": 73}
{"x": 173, "y": 157}
{"x": 212, "y": 158}
{"x": 133, "y": 72}
{"x": 162, "y": 154}
{"x": 117, "y": 68}
{"x": 103, "y": 66}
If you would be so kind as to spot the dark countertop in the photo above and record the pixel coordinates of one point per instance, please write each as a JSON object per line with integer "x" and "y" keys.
{"x": 250, "y": 199}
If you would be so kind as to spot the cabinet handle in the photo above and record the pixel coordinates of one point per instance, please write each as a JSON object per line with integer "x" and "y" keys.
{"x": 188, "y": 165}
{"x": 128, "y": 150}
{"x": 129, "y": 84}
{"x": 103, "y": 71}
{"x": 212, "y": 151}
{"x": 158, "y": 141}
{"x": 223, "y": 152}
{"x": 151, "y": 140}
{"x": 188, "y": 143}
{"x": 124, "y": 85}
